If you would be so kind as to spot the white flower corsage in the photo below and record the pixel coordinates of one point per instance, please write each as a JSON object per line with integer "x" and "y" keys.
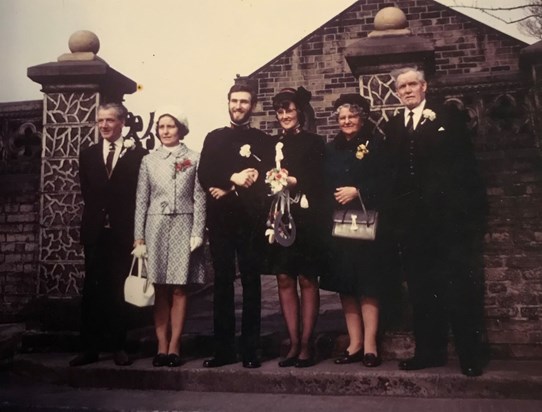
{"x": 245, "y": 152}
{"x": 128, "y": 144}
{"x": 429, "y": 114}
{"x": 362, "y": 150}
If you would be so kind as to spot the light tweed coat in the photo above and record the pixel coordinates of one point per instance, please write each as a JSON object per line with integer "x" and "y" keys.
{"x": 170, "y": 208}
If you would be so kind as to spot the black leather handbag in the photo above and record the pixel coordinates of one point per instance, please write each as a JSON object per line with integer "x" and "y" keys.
{"x": 358, "y": 224}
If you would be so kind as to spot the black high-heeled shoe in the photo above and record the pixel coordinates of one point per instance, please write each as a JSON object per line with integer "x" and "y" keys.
{"x": 173, "y": 360}
{"x": 288, "y": 362}
{"x": 347, "y": 358}
{"x": 161, "y": 359}
{"x": 305, "y": 363}
{"x": 371, "y": 360}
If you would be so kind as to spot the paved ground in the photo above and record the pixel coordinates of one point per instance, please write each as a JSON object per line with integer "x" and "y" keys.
{"x": 21, "y": 395}
{"x": 502, "y": 385}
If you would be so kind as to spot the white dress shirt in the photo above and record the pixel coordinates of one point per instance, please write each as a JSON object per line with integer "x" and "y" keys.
{"x": 118, "y": 148}
{"x": 417, "y": 114}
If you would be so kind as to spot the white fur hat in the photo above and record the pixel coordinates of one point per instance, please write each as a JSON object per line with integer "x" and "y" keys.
{"x": 173, "y": 111}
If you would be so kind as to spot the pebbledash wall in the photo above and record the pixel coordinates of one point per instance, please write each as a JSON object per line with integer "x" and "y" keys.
{"x": 482, "y": 71}
{"x": 490, "y": 75}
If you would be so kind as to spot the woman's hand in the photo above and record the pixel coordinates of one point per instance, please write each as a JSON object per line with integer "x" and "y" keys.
{"x": 140, "y": 250}
{"x": 291, "y": 181}
{"x": 346, "y": 194}
{"x": 195, "y": 242}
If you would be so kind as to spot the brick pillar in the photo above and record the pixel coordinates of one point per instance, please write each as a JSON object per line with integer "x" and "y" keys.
{"x": 390, "y": 46}
{"x": 531, "y": 63}
{"x": 73, "y": 87}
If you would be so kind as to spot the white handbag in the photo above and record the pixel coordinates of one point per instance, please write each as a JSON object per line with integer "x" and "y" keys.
{"x": 138, "y": 290}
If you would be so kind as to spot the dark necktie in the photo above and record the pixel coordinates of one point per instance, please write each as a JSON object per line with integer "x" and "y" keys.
{"x": 410, "y": 123}
{"x": 109, "y": 160}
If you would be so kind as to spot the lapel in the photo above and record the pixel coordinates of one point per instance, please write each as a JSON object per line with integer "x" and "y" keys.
{"x": 96, "y": 158}
{"x": 124, "y": 157}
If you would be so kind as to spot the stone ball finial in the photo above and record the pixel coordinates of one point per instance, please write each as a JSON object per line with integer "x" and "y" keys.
{"x": 84, "y": 41}
{"x": 390, "y": 21}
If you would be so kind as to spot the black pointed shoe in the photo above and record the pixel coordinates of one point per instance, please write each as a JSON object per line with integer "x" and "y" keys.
{"x": 347, "y": 358}
{"x": 471, "y": 370}
{"x": 159, "y": 360}
{"x": 251, "y": 363}
{"x": 288, "y": 362}
{"x": 417, "y": 363}
{"x": 173, "y": 360}
{"x": 217, "y": 361}
{"x": 121, "y": 358}
{"x": 370, "y": 360}
{"x": 84, "y": 358}
{"x": 305, "y": 363}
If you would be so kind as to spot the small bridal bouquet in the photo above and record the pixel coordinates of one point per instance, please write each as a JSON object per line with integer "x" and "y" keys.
{"x": 276, "y": 179}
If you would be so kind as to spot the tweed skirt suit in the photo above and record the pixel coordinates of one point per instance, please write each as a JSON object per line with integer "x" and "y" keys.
{"x": 170, "y": 208}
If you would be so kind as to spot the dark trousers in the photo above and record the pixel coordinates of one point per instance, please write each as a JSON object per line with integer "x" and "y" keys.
{"x": 228, "y": 241}
{"x": 103, "y": 311}
{"x": 444, "y": 275}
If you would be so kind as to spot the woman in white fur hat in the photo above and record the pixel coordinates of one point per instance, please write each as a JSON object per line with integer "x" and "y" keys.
{"x": 170, "y": 222}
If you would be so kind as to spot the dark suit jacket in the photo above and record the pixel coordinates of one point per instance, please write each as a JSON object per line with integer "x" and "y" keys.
{"x": 114, "y": 197}
{"x": 451, "y": 192}
{"x": 220, "y": 158}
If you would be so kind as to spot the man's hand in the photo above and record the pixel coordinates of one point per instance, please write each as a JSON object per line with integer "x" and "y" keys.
{"x": 346, "y": 194}
{"x": 244, "y": 178}
{"x": 217, "y": 192}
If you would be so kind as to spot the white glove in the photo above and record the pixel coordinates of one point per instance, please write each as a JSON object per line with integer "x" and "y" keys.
{"x": 140, "y": 251}
{"x": 195, "y": 242}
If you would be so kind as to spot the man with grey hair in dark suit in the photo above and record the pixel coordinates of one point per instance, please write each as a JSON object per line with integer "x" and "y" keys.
{"x": 108, "y": 173}
{"x": 436, "y": 212}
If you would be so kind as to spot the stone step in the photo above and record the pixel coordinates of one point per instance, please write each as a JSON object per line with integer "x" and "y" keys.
{"x": 142, "y": 342}
{"x": 502, "y": 379}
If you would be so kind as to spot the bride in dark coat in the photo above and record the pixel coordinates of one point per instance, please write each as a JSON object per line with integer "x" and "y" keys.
{"x": 303, "y": 158}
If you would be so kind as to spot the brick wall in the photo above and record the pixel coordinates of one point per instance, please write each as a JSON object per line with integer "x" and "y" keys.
{"x": 20, "y": 144}
{"x": 462, "y": 47}
{"x": 479, "y": 67}
{"x": 19, "y": 244}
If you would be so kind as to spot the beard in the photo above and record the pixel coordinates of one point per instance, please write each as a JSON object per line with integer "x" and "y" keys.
{"x": 244, "y": 117}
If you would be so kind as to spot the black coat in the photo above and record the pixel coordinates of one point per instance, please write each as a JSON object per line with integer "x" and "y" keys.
{"x": 220, "y": 158}
{"x": 353, "y": 265}
{"x": 114, "y": 197}
{"x": 448, "y": 185}
{"x": 343, "y": 168}
{"x": 304, "y": 160}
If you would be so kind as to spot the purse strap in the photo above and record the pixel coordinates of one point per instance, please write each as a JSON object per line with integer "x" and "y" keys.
{"x": 363, "y": 207}
{"x": 132, "y": 266}
{"x": 140, "y": 263}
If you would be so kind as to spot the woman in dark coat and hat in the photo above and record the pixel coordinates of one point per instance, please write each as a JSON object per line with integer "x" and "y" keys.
{"x": 301, "y": 153}
{"x": 351, "y": 172}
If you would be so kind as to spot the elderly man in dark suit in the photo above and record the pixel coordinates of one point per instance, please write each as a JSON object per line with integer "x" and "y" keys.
{"x": 108, "y": 173}
{"x": 232, "y": 169}
{"x": 436, "y": 213}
